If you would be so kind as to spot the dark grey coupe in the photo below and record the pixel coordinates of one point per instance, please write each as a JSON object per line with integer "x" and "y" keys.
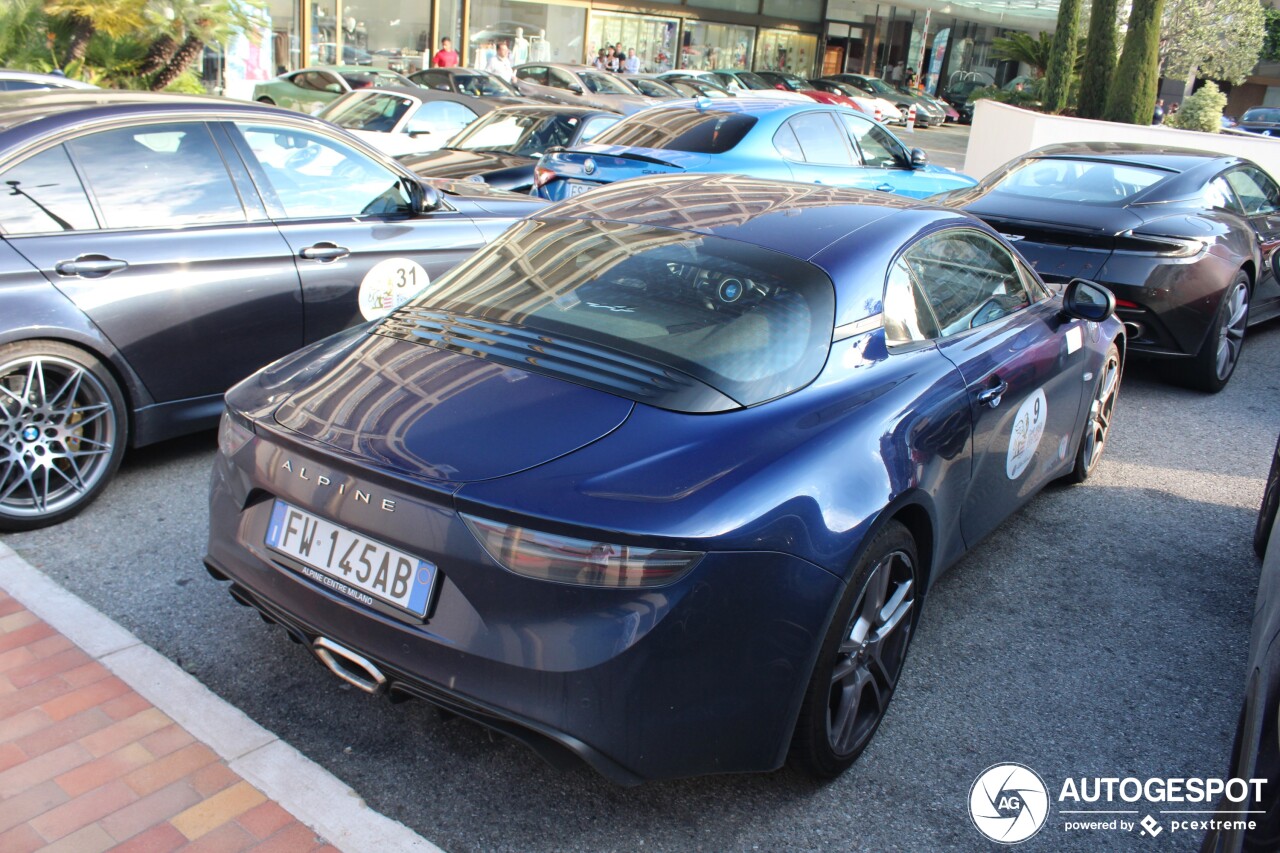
{"x": 156, "y": 249}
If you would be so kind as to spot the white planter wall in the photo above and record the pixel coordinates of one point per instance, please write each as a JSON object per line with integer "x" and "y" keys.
{"x": 1001, "y": 133}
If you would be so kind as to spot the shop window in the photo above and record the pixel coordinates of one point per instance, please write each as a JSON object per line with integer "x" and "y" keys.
{"x": 387, "y": 34}
{"x": 653, "y": 38}
{"x": 784, "y": 50}
{"x": 533, "y": 32}
{"x": 706, "y": 46}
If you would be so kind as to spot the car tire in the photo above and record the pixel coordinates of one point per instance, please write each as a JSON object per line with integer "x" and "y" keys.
{"x": 1097, "y": 426}
{"x": 861, "y": 657}
{"x": 62, "y": 432}
{"x": 1213, "y": 365}
{"x": 1269, "y": 508}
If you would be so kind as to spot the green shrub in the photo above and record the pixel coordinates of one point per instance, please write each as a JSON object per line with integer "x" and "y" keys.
{"x": 1202, "y": 111}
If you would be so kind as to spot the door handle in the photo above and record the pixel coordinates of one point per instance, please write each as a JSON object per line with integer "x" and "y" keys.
{"x": 324, "y": 252}
{"x": 885, "y": 188}
{"x": 90, "y": 266}
{"x": 992, "y": 396}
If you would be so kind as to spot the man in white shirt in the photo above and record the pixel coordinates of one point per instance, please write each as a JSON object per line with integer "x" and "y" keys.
{"x": 632, "y": 64}
{"x": 500, "y": 64}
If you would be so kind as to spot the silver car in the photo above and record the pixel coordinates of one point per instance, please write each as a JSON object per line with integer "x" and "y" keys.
{"x": 579, "y": 85}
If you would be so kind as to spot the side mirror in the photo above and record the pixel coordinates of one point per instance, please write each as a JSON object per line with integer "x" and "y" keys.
{"x": 418, "y": 131}
{"x": 576, "y": 88}
{"x": 424, "y": 197}
{"x": 1087, "y": 300}
{"x": 919, "y": 158}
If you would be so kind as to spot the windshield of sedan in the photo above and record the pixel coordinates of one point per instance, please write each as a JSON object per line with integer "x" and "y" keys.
{"x": 697, "y": 131}
{"x": 880, "y": 87}
{"x": 653, "y": 88}
{"x": 1272, "y": 115}
{"x": 1084, "y": 181}
{"x": 751, "y": 81}
{"x": 603, "y": 84}
{"x": 372, "y": 79}
{"x": 794, "y": 80}
{"x": 524, "y": 135}
{"x": 751, "y": 323}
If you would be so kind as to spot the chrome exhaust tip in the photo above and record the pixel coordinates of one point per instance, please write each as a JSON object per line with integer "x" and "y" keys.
{"x": 352, "y": 668}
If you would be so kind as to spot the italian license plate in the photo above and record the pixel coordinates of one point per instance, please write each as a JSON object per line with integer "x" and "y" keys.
{"x": 579, "y": 189}
{"x": 354, "y": 565}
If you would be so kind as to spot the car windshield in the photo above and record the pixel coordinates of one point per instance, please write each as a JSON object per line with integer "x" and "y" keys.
{"x": 795, "y": 81}
{"x": 879, "y": 86}
{"x": 1083, "y": 181}
{"x": 752, "y": 81}
{"x": 482, "y": 85}
{"x": 517, "y": 133}
{"x": 751, "y": 323}
{"x": 603, "y": 84}
{"x": 370, "y": 79}
{"x": 691, "y": 129}
{"x": 1262, "y": 115}
{"x": 652, "y": 88}
{"x": 379, "y": 112}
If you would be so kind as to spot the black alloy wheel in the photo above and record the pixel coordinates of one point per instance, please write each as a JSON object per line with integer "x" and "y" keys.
{"x": 1220, "y": 353}
{"x": 62, "y": 432}
{"x": 861, "y": 658}
{"x": 1097, "y": 425}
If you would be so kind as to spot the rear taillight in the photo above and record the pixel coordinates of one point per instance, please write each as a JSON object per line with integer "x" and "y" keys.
{"x": 1159, "y": 244}
{"x": 564, "y": 559}
{"x": 542, "y": 175}
{"x": 1125, "y": 303}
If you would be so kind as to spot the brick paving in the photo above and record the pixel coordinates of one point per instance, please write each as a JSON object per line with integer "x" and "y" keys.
{"x": 87, "y": 764}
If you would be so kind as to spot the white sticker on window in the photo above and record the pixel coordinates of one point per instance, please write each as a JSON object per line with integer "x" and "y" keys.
{"x": 390, "y": 284}
{"x": 1028, "y": 429}
{"x": 1075, "y": 339}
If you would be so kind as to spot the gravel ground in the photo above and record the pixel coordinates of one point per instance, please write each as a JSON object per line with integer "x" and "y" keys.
{"x": 1099, "y": 632}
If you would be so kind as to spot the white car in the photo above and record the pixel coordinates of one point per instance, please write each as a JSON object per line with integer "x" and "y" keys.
{"x": 889, "y": 112}
{"x": 400, "y": 121}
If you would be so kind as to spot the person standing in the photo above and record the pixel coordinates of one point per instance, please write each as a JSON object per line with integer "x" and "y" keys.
{"x": 632, "y": 65}
{"x": 500, "y": 65}
{"x": 446, "y": 56}
{"x": 911, "y": 78}
{"x": 611, "y": 60}
{"x": 1157, "y": 115}
{"x": 599, "y": 62}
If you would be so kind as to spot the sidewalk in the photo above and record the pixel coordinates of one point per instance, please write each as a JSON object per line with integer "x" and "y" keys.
{"x": 107, "y": 745}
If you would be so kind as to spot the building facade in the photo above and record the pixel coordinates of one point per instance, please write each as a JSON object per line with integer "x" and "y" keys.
{"x": 938, "y": 40}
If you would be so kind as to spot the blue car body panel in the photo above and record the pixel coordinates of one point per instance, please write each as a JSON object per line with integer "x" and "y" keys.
{"x": 705, "y": 674}
{"x": 594, "y": 163}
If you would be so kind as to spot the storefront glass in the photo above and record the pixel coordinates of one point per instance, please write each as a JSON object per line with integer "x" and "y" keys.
{"x": 706, "y": 46}
{"x": 449, "y": 25}
{"x": 389, "y": 34}
{"x": 534, "y": 32}
{"x": 784, "y": 50}
{"x": 286, "y": 41}
{"x": 653, "y": 38}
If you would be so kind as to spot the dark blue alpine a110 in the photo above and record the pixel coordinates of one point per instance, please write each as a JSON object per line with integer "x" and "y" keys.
{"x": 660, "y": 478}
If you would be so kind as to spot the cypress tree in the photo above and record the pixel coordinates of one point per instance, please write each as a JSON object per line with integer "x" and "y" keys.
{"x": 1099, "y": 59}
{"x": 1133, "y": 97}
{"x": 1062, "y": 57}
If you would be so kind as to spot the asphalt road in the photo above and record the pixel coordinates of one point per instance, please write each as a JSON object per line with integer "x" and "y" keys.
{"x": 1099, "y": 632}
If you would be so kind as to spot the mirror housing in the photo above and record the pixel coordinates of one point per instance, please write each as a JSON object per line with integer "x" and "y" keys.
{"x": 919, "y": 158}
{"x": 419, "y": 132}
{"x": 424, "y": 197}
{"x": 576, "y": 88}
{"x": 1088, "y": 300}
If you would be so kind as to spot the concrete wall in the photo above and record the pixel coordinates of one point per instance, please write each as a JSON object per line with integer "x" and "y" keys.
{"x": 1001, "y": 133}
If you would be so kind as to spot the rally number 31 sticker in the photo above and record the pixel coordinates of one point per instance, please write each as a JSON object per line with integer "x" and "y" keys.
{"x": 390, "y": 284}
{"x": 1028, "y": 429}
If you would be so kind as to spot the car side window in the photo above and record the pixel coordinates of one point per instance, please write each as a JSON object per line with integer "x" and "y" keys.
{"x": 967, "y": 278}
{"x": 307, "y": 80}
{"x": 820, "y": 139}
{"x": 907, "y": 315}
{"x": 1218, "y": 195}
{"x": 157, "y": 176}
{"x": 786, "y": 144}
{"x": 378, "y": 112}
{"x": 313, "y": 176}
{"x": 433, "y": 80}
{"x": 559, "y": 79}
{"x": 533, "y": 73}
{"x": 878, "y": 147}
{"x": 43, "y": 194}
{"x": 1257, "y": 192}
{"x": 444, "y": 117}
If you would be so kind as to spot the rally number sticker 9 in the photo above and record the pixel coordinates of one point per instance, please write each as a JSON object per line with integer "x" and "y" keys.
{"x": 1028, "y": 429}
{"x": 390, "y": 284}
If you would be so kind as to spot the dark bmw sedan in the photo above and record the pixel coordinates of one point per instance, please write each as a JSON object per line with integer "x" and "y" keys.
{"x": 156, "y": 249}
{"x": 503, "y": 148}
{"x": 1186, "y": 240}
{"x": 661, "y": 477}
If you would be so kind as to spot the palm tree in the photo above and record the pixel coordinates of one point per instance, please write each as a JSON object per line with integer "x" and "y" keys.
{"x": 200, "y": 23}
{"x": 114, "y": 18}
{"x": 1024, "y": 47}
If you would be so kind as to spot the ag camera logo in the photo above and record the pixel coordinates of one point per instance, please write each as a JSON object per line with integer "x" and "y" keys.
{"x": 1008, "y": 803}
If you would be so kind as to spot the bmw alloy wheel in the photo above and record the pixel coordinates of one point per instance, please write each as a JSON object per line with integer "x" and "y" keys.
{"x": 60, "y": 434}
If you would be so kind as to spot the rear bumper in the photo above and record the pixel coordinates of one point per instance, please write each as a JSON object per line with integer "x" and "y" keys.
{"x": 702, "y": 676}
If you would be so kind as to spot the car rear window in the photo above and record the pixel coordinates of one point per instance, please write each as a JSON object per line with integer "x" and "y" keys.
{"x": 697, "y": 131}
{"x": 1083, "y": 181}
{"x": 1261, "y": 115}
{"x": 751, "y": 323}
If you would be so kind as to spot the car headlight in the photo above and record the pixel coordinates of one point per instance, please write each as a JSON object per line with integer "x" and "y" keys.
{"x": 564, "y": 559}
{"x": 234, "y": 432}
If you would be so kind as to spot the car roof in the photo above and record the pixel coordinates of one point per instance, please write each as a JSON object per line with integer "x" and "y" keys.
{"x": 346, "y": 69}
{"x": 752, "y": 210}
{"x": 558, "y": 109}
{"x": 424, "y": 94}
